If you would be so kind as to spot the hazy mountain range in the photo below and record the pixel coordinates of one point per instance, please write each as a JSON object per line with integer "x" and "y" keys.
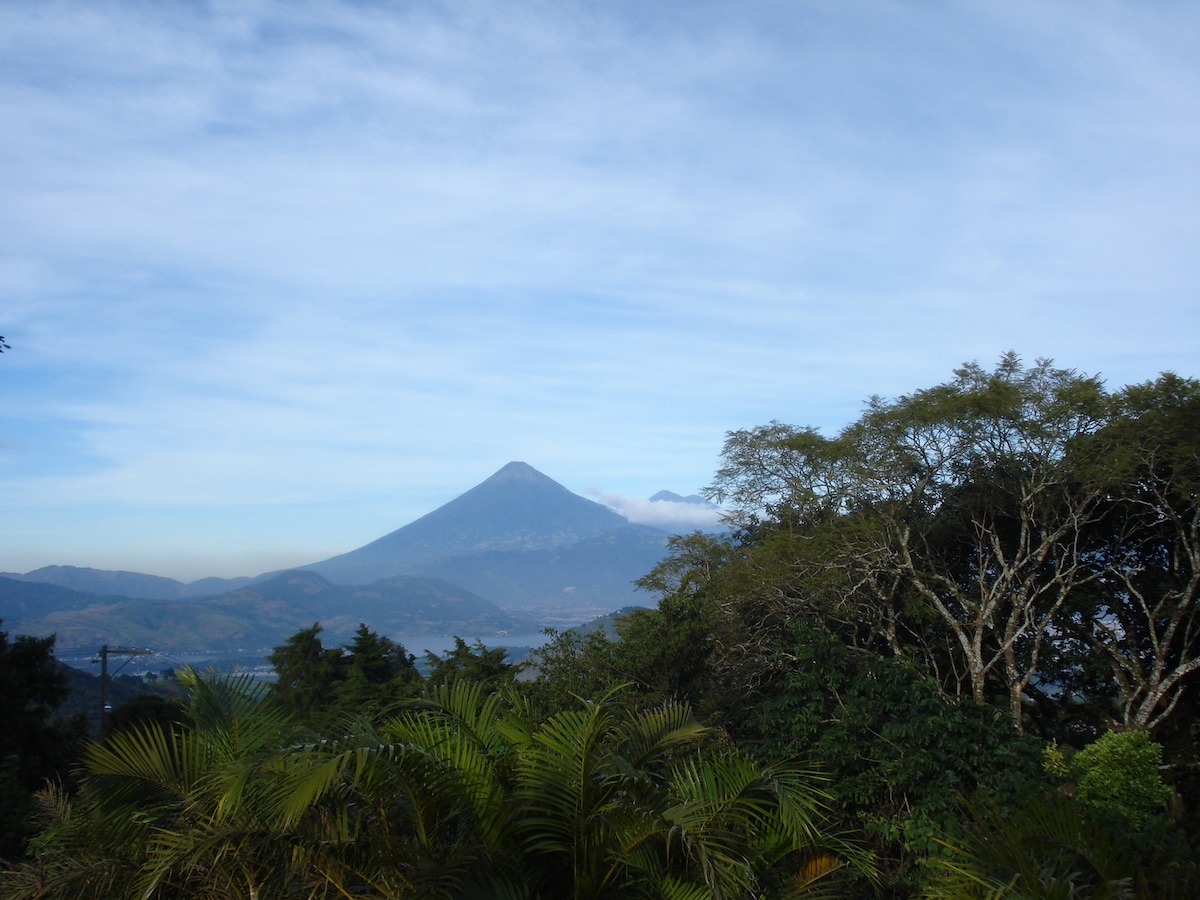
{"x": 514, "y": 553}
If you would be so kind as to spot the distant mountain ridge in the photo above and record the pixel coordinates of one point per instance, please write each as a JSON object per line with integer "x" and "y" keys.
{"x": 128, "y": 584}
{"x": 256, "y": 617}
{"x": 517, "y": 551}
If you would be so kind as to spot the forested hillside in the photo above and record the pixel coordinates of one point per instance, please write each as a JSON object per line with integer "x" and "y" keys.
{"x": 949, "y": 651}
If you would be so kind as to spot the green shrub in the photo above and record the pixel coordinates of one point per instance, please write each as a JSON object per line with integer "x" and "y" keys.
{"x": 1121, "y": 772}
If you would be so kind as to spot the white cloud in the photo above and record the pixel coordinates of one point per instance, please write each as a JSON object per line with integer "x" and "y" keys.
{"x": 671, "y": 515}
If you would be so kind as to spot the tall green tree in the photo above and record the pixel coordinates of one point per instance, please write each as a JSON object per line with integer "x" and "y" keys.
{"x": 475, "y": 663}
{"x": 899, "y": 753}
{"x": 320, "y": 684}
{"x": 657, "y": 655}
{"x": 32, "y": 746}
{"x": 306, "y": 671}
{"x": 604, "y": 800}
{"x": 201, "y": 810}
{"x": 378, "y": 673}
{"x": 955, "y": 502}
{"x": 1145, "y": 617}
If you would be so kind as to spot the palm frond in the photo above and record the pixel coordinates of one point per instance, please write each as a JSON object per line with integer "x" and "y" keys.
{"x": 215, "y": 700}
{"x": 1047, "y": 847}
{"x": 647, "y": 734}
{"x": 150, "y": 766}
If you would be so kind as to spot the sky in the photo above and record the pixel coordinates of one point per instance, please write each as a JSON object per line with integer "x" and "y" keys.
{"x": 281, "y": 277}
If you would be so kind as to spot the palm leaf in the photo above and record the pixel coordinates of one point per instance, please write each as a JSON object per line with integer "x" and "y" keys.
{"x": 1050, "y": 847}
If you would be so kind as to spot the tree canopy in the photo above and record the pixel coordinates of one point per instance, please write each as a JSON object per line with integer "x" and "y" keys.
{"x": 314, "y": 682}
{"x": 1000, "y": 528}
{"x": 459, "y": 795}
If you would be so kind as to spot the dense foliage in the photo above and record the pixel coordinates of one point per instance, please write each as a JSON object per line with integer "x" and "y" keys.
{"x": 33, "y": 747}
{"x": 1008, "y": 530}
{"x": 313, "y": 681}
{"x": 457, "y": 795}
{"x": 920, "y": 601}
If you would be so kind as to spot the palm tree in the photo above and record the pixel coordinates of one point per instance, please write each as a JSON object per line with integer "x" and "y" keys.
{"x": 603, "y": 801}
{"x": 166, "y": 811}
{"x": 1054, "y": 847}
{"x": 455, "y": 796}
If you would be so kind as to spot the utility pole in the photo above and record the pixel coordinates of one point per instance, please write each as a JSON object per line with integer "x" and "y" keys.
{"x": 104, "y": 652}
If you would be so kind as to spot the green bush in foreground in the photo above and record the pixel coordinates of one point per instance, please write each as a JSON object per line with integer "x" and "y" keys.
{"x": 458, "y": 795}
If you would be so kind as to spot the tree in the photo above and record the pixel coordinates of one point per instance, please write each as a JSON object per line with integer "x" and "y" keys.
{"x": 1145, "y": 618}
{"x": 898, "y": 753}
{"x": 657, "y": 655}
{"x": 1121, "y": 772}
{"x": 148, "y": 707}
{"x": 475, "y": 663}
{"x": 571, "y": 664}
{"x": 691, "y": 562}
{"x": 1052, "y": 847}
{"x": 197, "y": 810}
{"x": 458, "y": 795}
{"x": 32, "y": 747}
{"x": 604, "y": 800}
{"x": 306, "y": 672}
{"x": 321, "y": 684}
{"x": 378, "y": 673}
{"x": 952, "y": 508}
{"x": 609, "y": 804}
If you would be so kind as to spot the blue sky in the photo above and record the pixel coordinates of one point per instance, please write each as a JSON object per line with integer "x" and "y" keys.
{"x": 282, "y": 277}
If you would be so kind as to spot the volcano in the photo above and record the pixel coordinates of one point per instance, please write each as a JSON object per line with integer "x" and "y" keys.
{"x": 517, "y": 509}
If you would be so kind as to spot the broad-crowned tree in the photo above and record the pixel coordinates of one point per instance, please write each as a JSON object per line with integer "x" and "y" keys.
{"x": 950, "y": 509}
{"x": 1144, "y": 617}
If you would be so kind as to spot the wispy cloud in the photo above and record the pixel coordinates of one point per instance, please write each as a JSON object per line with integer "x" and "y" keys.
{"x": 274, "y": 253}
